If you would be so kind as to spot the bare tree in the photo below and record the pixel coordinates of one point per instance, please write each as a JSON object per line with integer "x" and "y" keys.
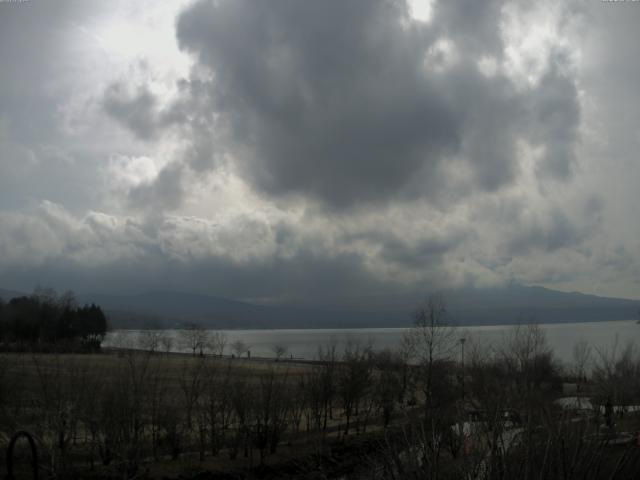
{"x": 528, "y": 357}
{"x": 61, "y": 383}
{"x": 216, "y": 405}
{"x": 431, "y": 343}
{"x": 530, "y": 370}
{"x": 431, "y": 340}
{"x": 149, "y": 340}
{"x": 239, "y": 348}
{"x": 166, "y": 341}
{"x": 328, "y": 356}
{"x": 157, "y": 391}
{"x": 242, "y": 402}
{"x": 279, "y": 351}
{"x": 387, "y": 383}
{"x": 192, "y": 385}
{"x": 270, "y": 411}
{"x": 218, "y": 343}
{"x": 122, "y": 413}
{"x": 299, "y": 402}
{"x": 581, "y": 359}
{"x": 194, "y": 338}
{"x": 354, "y": 378}
{"x": 616, "y": 375}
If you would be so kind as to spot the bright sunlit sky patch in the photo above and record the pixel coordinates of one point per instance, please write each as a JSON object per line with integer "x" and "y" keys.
{"x": 421, "y": 10}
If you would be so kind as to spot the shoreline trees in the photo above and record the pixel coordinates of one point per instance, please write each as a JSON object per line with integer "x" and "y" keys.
{"x": 44, "y": 319}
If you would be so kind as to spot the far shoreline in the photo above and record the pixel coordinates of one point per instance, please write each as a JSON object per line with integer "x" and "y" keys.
{"x": 331, "y": 329}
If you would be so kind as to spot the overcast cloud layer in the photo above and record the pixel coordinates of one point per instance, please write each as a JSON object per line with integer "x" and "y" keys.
{"x": 321, "y": 152}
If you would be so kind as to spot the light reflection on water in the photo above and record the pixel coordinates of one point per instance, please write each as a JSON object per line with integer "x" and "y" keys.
{"x": 304, "y": 343}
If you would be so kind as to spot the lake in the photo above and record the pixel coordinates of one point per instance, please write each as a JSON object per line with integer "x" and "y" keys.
{"x": 305, "y": 343}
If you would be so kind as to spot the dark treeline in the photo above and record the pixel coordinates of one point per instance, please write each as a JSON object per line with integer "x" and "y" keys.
{"x": 45, "y": 320}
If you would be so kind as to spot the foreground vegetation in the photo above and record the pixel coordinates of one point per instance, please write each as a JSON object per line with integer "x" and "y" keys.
{"x": 428, "y": 410}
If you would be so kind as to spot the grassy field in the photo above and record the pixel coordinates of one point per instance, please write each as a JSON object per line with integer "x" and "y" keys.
{"x": 167, "y": 404}
{"x": 133, "y": 414}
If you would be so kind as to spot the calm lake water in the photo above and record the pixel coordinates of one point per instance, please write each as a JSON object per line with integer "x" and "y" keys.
{"x": 305, "y": 343}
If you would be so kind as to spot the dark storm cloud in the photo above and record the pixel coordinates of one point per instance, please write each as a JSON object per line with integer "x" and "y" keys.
{"x": 320, "y": 98}
{"x": 352, "y": 103}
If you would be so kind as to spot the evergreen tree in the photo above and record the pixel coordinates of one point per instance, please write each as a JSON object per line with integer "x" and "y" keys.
{"x": 45, "y": 318}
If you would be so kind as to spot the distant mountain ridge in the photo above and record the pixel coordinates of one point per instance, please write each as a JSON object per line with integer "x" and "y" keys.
{"x": 173, "y": 309}
{"x": 466, "y": 307}
{"x": 539, "y": 304}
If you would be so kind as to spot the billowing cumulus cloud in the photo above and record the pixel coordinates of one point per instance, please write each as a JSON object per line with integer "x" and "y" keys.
{"x": 355, "y": 103}
{"x": 333, "y": 151}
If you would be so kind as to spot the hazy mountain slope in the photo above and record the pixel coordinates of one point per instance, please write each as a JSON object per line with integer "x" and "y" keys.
{"x": 466, "y": 307}
{"x": 518, "y": 303}
{"x": 176, "y": 308}
{"x": 469, "y": 307}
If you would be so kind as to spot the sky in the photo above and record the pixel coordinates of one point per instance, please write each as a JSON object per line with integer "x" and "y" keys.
{"x": 334, "y": 152}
